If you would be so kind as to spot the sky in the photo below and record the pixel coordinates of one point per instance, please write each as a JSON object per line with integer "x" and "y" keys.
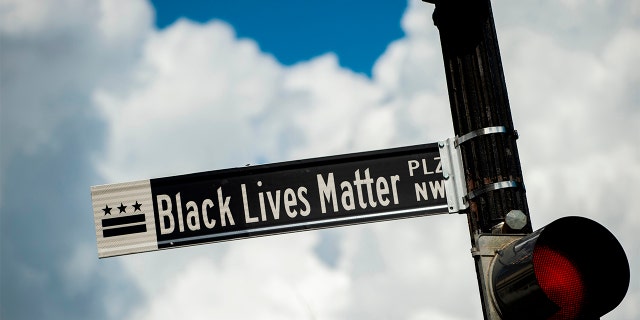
{"x": 98, "y": 92}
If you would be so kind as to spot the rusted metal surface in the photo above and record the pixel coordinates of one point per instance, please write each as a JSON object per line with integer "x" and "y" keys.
{"x": 479, "y": 100}
{"x": 480, "y": 104}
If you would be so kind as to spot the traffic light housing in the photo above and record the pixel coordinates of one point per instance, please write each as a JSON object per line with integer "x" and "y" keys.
{"x": 573, "y": 268}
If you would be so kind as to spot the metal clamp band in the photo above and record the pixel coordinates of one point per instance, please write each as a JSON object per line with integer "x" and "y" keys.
{"x": 482, "y": 132}
{"x": 494, "y": 186}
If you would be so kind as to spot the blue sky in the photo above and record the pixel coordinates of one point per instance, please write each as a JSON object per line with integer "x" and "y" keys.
{"x": 98, "y": 92}
{"x": 294, "y": 31}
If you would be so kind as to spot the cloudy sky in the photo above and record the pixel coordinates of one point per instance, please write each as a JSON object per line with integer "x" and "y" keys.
{"x": 95, "y": 92}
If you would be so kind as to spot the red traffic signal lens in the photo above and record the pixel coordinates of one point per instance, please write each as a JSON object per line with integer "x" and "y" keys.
{"x": 560, "y": 280}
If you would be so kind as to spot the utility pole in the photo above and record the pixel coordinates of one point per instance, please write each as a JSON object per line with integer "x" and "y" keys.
{"x": 484, "y": 131}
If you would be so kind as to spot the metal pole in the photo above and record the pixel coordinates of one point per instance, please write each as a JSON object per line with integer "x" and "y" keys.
{"x": 484, "y": 127}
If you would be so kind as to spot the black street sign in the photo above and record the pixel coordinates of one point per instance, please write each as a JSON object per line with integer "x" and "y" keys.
{"x": 269, "y": 199}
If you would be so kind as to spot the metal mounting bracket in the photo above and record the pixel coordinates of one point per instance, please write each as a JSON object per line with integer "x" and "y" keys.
{"x": 494, "y": 186}
{"x": 481, "y": 132}
{"x": 453, "y": 170}
{"x": 453, "y": 173}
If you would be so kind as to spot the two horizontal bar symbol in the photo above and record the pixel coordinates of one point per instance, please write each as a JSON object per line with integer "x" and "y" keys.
{"x": 122, "y": 225}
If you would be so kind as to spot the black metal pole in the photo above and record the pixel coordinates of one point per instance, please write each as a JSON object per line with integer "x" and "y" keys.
{"x": 481, "y": 114}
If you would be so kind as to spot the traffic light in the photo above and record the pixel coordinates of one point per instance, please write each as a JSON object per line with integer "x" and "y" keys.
{"x": 573, "y": 268}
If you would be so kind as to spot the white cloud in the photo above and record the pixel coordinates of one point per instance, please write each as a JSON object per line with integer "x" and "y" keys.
{"x": 578, "y": 114}
{"x": 194, "y": 97}
{"x": 328, "y": 118}
{"x": 31, "y": 16}
{"x": 192, "y": 75}
{"x": 198, "y": 86}
{"x": 581, "y": 119}
{"x": 79, "y": 268}
{"x": 121, "y": 21}
{"x": 268, "y": 278}
{"x": 406, "y": 269}
{"x": 53, "y": 56}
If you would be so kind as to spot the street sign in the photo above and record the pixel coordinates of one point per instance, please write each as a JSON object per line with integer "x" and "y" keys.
{"x": 269, "y": 199}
